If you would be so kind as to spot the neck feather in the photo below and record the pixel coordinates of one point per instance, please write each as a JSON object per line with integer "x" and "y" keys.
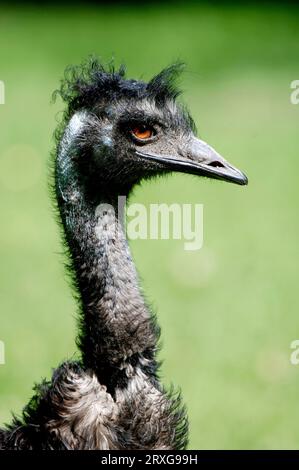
{"x": 116, "y": 327}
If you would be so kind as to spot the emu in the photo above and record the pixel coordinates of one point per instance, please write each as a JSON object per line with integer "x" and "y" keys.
{"x": 114, "y": 133}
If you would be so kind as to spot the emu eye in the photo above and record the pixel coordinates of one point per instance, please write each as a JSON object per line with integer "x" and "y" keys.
{"x": 143, "y": 132}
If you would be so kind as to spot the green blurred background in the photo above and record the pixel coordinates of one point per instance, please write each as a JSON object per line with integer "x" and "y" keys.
{"x": 229, "y": 311}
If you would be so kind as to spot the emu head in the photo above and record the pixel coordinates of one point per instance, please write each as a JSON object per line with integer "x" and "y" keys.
{"x": 120, "y": 131}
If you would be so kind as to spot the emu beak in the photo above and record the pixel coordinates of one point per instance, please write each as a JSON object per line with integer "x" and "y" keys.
{"x": 198, "y": 158}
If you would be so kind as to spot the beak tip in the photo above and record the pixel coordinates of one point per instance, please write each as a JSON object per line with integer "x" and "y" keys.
{"x": 244, "y": 180}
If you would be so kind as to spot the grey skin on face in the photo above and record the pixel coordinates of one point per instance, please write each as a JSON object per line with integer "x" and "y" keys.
{"x": 149, "y": 138}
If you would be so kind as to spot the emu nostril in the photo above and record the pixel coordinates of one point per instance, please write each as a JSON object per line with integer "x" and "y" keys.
{"x": 215, "y": 164}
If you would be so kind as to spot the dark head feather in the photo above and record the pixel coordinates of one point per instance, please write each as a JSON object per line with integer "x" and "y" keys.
{"x": 91, "y": 83}
{"x": 163, "y": 86}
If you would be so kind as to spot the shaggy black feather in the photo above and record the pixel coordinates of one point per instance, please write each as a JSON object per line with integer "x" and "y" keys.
{"x": 87, "y": 85}
{"x": 91, "y": 85}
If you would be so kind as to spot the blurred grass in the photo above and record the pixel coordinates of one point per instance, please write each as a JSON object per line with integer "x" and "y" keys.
{"x": 229, "y": 311}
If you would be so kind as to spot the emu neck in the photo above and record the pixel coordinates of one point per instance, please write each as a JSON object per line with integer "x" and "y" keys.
{"x": 116, "y": 326}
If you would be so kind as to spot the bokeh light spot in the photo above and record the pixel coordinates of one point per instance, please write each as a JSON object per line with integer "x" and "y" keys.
{"x": 20, "y": 167}
{"x": 191, "y": 269}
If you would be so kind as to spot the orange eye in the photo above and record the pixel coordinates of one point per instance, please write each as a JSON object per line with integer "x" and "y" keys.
{"x": 142, "y": 132}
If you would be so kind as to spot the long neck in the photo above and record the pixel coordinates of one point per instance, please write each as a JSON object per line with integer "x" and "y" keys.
{"x": 116, "y": 327}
